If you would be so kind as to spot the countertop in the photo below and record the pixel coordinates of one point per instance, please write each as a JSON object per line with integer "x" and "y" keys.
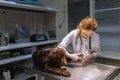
{"x": 94, "y": 71}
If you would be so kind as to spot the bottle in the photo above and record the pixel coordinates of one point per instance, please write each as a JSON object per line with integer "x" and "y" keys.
{"x": 6, "y": 74}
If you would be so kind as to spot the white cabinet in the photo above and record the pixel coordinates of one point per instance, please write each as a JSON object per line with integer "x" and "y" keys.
{"x": 107, "y": 13}
{"x": 37, "y": 18}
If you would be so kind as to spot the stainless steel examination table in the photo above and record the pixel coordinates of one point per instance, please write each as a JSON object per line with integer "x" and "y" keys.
{"x": 94, "y": 71}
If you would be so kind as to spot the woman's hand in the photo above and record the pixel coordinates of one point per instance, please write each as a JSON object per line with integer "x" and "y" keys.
{"x": 74, "y": 57}
{"x": 86, "y": 58}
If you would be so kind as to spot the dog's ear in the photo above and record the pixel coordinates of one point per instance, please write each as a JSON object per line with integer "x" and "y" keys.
{"x": 57, "y": 56}
{"x": 57, "y": 53}
{"x": 53, "y": 53}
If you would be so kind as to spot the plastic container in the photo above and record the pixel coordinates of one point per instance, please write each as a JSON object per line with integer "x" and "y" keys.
{"x": 22, "y": 34}
{"x": 4, "y": 38}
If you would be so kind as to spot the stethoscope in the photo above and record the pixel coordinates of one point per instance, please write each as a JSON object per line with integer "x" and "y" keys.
{"x": 81, "y": 41}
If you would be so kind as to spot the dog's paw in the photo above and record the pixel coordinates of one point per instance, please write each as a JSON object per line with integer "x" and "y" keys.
{"x": 66, "y": 73}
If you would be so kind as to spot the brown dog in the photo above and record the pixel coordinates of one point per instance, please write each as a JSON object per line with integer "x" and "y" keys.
{"x": 51, "y": 60}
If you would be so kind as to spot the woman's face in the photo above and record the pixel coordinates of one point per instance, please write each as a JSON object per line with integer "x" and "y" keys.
{"x": 86, "y": 33}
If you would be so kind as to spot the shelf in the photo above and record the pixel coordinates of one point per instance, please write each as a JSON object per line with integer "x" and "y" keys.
{"x": 108, "y": 17}
{"x": 34, "y": 17}
{"x": 108, "y": 29}
{"x": 101, "y": 10}
{"x": 105, "y": 4}
{"x": 26, "y": 6}
{"x": 12, "y": 59}
{"x": 29, "y": 44}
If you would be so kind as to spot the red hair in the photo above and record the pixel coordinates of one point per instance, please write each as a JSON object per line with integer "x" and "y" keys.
{"x": 88, "y": 23}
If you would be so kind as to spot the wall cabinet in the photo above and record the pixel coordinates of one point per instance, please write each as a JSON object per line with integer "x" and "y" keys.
{"x": 107, "y": 12}
{"x": 38, "y": 19}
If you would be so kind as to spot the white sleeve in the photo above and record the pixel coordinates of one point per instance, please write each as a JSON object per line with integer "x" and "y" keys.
{"x": 97, "y": 48}
{"x": 67, "y": 40}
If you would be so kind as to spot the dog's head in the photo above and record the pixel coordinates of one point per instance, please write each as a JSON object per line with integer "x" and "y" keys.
{"x": 57, "y": 57}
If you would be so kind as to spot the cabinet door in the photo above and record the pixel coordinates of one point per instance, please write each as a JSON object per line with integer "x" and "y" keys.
{"x": 107, "y": 12}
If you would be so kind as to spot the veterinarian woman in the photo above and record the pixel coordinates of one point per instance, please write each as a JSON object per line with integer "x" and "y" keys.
{"x": 84, "y": 41}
